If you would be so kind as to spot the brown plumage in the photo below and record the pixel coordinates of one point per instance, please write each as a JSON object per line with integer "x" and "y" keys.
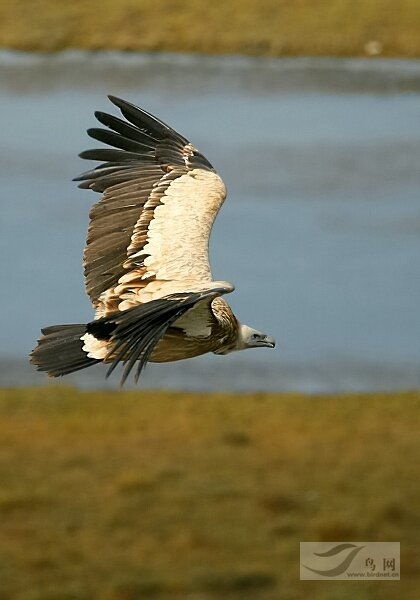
{"x": 146, "y": 258}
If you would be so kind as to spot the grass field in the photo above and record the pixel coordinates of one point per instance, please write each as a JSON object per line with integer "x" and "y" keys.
{"x": 120, "y": 496}
{"x": 256, "y": 27}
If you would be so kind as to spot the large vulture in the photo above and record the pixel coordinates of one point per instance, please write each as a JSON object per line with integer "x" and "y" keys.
{"x": 146, "y": 258}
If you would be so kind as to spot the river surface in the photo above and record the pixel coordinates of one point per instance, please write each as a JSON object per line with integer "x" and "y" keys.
{"x": 320, "y": 232}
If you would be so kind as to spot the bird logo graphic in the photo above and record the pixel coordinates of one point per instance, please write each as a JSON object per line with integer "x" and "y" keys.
{"x": 349, "y": 551}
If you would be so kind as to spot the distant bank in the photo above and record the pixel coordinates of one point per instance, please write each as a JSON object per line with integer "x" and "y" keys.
{"x": 253, "y": 27}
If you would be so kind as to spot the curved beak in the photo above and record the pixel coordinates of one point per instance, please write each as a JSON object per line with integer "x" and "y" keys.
{"x": 268, "y": 341}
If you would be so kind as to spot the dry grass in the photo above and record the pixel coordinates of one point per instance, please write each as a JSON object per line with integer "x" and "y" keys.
{"x": 121, "y": 496}
{"x": 257, "y": 27}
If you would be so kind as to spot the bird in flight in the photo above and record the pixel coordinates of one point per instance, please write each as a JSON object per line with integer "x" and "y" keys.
{"x": 146, "y": 261}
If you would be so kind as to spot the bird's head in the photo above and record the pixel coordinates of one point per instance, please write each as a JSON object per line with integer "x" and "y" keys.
{"x": 252, "y": 338}
{"x": 248, "y": 337}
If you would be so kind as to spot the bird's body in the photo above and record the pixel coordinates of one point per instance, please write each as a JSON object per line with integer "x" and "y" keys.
{"x": 146, "y": 258}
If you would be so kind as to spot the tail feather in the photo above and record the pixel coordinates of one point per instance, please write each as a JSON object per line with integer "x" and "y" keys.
{"x": 59, "y": 350}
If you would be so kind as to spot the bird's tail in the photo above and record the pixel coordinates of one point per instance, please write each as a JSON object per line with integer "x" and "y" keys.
{"x": 59, "y": 350}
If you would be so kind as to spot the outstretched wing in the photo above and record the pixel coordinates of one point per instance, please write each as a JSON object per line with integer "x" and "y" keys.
{"x": 160, "y": 199}
{"x": 132, "y": 335}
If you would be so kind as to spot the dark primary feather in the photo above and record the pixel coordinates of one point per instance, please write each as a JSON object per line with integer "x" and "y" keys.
{"x": 142, "y": 137}
{"x": 143, "y": 151}
{"x": 136, "y": 331}
{"x": 116, "y": 155}
{"x": 118, "y": 141}
{"x": 126, "y": 129}
{"x": 145, "y": 121}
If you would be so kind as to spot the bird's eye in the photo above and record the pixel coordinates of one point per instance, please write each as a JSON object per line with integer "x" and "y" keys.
{"x": 255, "y": 336}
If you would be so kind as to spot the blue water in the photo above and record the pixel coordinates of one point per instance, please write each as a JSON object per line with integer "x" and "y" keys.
{"x": 320, "y": 232}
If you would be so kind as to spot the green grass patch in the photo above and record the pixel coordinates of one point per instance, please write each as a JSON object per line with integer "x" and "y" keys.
{"x": 255, "y": 27}
{"x": 127, "y": 495}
